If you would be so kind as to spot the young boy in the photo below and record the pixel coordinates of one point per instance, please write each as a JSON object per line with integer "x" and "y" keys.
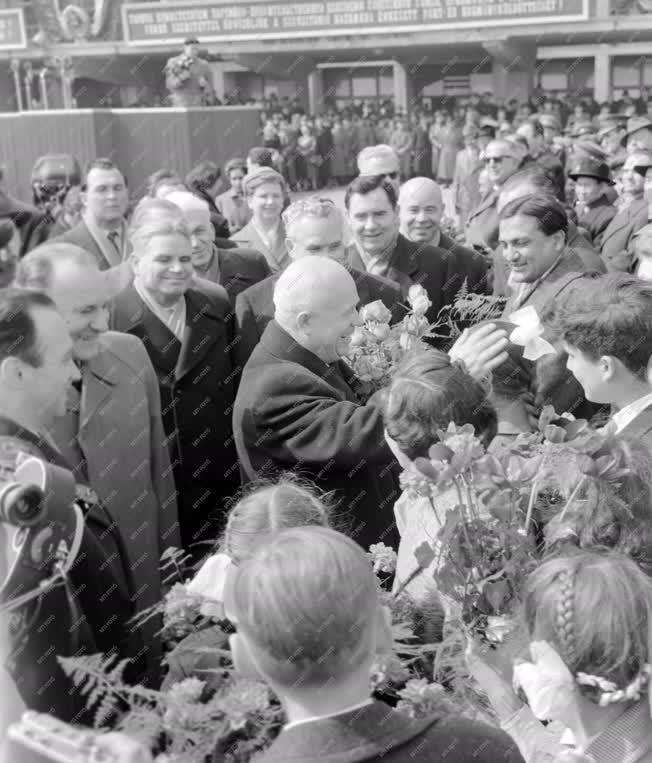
{"x": 309, "y": 623}
{"x": 606, "y": 328}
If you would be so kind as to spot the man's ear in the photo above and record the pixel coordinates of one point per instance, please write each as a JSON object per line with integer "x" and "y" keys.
{"x": 608, "y": 367}
{"x": 242, "y": 659}
{"x": 303, "y": 320}
{"x": 560, "y": 243}
{"x": 10, "y": 371}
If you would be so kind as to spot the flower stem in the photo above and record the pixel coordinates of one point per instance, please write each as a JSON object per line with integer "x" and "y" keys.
{"x": 572, "y": 497}
{"x": 533, "y": 496}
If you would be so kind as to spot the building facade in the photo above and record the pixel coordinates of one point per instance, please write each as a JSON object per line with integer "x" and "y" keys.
{"x": 327, "y": 53}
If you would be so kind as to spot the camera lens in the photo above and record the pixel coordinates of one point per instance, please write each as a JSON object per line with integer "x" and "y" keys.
{"x": 22, "y": 505}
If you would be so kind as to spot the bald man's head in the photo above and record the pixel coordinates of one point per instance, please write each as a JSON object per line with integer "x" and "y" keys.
{"x": 315, "y": 301}
{"x": 421, "y": 208}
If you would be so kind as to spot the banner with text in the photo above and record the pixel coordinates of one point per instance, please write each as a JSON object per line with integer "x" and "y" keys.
{"x": 12, "y": 29}
{"x": 156, "y": 24}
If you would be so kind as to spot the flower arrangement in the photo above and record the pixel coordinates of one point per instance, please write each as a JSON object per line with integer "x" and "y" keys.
{"x": 177, "y": 71}
{"x": 487, "y": 544}
{"x": 376, "y": 347}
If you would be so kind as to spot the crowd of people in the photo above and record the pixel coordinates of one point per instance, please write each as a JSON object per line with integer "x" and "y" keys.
{"x": 174, "y": 350}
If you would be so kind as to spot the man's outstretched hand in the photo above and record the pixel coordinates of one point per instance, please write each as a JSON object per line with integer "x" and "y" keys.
{"x": 481, "y": 350}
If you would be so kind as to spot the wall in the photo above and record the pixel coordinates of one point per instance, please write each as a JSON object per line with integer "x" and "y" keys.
{"x": 140, "y": 141}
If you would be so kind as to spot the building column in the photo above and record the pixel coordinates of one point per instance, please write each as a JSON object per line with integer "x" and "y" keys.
{"x": 400, "y": 88}
{"x": 315, "y": 92}
{"x": 602, "y": 74}
{"x": 512, "y": 69}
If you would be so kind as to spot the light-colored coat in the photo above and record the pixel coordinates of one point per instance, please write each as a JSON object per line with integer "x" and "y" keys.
{"x": 277, "y": 258}
{"x": 114, "y": 435}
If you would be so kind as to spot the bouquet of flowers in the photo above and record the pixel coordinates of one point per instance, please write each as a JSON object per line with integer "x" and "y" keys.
{"x": 486, "y": 546}
{"x": 376, "y": 348}
{"x": 177, "y": 71}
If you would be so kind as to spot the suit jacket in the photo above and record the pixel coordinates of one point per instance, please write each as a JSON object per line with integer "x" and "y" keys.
{"x": 197, "y": 386}
{"x": 254, "y": 307}
{"x": 113, "y": 435}
{"x": 377, "y": 732}
{"x": 277, "y": 258}
{"x": 595, "y": 218}
{"x": 482, "y": 223}
{"x": 575, "y": 242}
{"x": 25, "y": 217}
{"x": 102, "y": 250}
{"x": 236, "y": 270}
{"x": 59, "y": 629}
{"x": 441, "y": 270}
{"x": 552, "y": 383}
{"x": 293, "y": 412}
{"x": 617, "y": 246}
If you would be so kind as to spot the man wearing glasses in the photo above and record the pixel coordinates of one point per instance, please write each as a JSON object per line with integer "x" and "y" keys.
{"x": 502, "y": 159}
{"x": 380, "y": 160}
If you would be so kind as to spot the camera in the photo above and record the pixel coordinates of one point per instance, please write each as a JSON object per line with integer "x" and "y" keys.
{"x": 41, "y": 527}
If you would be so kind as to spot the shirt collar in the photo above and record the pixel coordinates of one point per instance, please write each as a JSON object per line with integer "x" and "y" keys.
{"x": 313, "y": 718}
{"x": 628, "y": 413}
{"x": 173, "y": 317}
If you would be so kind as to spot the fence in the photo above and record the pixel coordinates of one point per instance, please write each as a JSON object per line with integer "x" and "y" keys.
{"x": 139, "y": 141}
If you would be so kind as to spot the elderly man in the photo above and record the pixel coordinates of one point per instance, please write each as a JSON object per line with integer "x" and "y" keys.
{"x": 380, "y": 160}
{"x": 314, "y": 227}
{"x": 502, "y": 158}
{"x": 91, "y": 614}
{"x": 617, "y": 239}
{"x": 189, "y": 336}
{"x": 112, "y": 433}
{"x": 379, "y": 248}
{"x": 296, "y": 410}
{"x": 234, "y": 269}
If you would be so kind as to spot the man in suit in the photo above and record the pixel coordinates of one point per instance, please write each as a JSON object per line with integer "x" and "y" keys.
{"x": 112, "y": 433}
{"x": 197, "y": 89}
{"x": 533, "y": 234}
{"x": 502, "y": 159}
{"x": 190, "y": 337}
{"x": 338, "y": 629}
{"x": 421, "y": 207}
{"x": 597, "y": 320}
{"x": 314, "y": 227}
{"x": 296, "y": 408}
{"x": 102, "y": 230}
{"x": 36, "y": 370}
{"x": 617, "y": 248}
{"x": 379, "y": 248}
{"x": 533, "y": 181}
{"x": 234, "y": 269}
{"x": 592, "y": 183}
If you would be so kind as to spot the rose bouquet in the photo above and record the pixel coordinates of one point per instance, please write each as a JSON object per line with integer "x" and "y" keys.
{"x": 376, "y": 347}
{"x": 488, "y": 542}
{"x": 177, "y": 71}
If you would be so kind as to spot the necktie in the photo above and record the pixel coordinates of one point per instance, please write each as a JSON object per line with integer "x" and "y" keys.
{"x": 113, "y": 237}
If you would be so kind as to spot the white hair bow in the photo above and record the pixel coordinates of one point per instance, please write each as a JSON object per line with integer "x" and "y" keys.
{"x": 529, "y": 333}
{"x": 209, "y": 583}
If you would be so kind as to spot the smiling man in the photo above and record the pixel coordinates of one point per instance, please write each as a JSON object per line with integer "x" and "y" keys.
{"x": 380, "y": 249}
{"x": 421, "y": 208}
{"x": 296, "y": 409}
{"x": 111, "y": 432}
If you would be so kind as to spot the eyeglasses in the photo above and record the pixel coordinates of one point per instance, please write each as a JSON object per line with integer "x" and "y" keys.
{"x": 496, "y": 159}
{"x": 391, "y": 175}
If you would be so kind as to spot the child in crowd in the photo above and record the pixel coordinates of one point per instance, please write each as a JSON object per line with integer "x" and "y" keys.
{"x": 427, "y": 393}
{"x": 309, "y": 623}
{"x": 589, "y": 618}
{"x": 606, "y": 328}
{"x": 251, "y": 522}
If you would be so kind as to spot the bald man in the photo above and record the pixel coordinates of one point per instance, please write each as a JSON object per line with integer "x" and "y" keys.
{"x": 296, "y": 408}
{"x": 234, "y": 269}
{"x": 421, "y": 208}
{"x": 314, "y": 227}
